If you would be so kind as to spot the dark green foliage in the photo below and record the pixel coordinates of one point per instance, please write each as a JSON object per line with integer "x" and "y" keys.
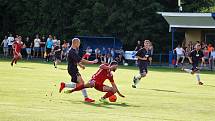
{"x": 129, "y": 20}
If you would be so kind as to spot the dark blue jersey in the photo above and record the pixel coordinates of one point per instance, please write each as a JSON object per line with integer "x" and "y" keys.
{"x": 143, "y": 53}
{"x": 196, "y": 56}
{"x": 73, "y": 60}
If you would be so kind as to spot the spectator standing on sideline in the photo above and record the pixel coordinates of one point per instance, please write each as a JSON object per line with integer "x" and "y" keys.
{"x": 109, "y": 55}
{"x": 10, "y": 43}
{"x": 139, "y": 46}
{"x": 5, "y": 46}
{"x": 97, "y": 53}
{"x": 104, "y": 55}
{"x": 88, "y": 53}
{"x": 36, "y": 46}
{"x": 180, "y": 54}
{"x": 65, "y": 48}
{"x": 28, "y": 45}
{"x": 49, "y": 45}
{"x": 42, "y": 46}
{"x": 54, "y": 41}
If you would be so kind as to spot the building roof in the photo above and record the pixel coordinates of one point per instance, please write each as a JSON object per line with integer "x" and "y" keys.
{"x": 189, "y": 20}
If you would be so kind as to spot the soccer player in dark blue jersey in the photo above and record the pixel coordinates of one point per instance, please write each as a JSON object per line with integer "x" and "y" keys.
{"x": 75, "y": 60}
{"x": 144, "y": 57}
{"x": 194, "y": 57}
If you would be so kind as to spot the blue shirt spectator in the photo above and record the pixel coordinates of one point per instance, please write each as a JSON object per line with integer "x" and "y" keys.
{"x": 103, "y": 51}
{"x": 49, "y": 43}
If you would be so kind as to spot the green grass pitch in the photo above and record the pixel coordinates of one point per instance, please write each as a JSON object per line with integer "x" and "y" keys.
{"x": 29, "y": 92}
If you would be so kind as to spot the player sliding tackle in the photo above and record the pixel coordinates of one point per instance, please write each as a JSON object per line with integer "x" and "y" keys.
{"x": 194, "y": 58}
{"x": 98, "y": 79}
{"x": 75, "y": 60}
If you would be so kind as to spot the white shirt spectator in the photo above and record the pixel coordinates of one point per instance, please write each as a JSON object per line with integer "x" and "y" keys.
{"x": 213, "y": 54}
{"x": 5, "y": 42}
{"x": 54, "y": 41}
{"x": 179, "y": 51}
{"x": 37, "y": 42}
{"x": 10, "y": 40}
{"x": 58, "y": 43}
{"x": 97, "y": 51}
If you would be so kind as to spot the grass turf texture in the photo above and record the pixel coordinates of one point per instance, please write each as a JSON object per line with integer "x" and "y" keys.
{"x": 29, "y": 92}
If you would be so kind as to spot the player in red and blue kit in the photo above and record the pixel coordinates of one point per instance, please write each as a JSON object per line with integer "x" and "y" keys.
{"x": 98, "y": 79}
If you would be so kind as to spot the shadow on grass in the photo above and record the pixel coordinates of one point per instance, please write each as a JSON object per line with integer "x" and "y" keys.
{"x": 62, "y": 68}
{"x": 209, "y": 85}
{"x": 26, "y": 67}
{"x": 162, "y": 90}
{"x": 110, "y": 104}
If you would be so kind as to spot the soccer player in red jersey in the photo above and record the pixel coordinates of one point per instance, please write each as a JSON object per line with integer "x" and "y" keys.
{"x": 17, "y": 46}
{"x": 98, "y": 79}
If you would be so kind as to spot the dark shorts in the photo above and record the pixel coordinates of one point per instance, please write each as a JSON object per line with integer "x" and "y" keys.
{"x": 48, "y": 50}
{"x": 57, "y": 57}
{"x": 143, "y": 68}
{"x": 195, "y": 65}
{"x": 74, "y": 75}
{"x": 9, "y": 46}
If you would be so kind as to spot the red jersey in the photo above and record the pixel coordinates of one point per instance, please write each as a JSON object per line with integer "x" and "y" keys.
{"x": 101, "y": 75}
{"x": 17, "y": 46}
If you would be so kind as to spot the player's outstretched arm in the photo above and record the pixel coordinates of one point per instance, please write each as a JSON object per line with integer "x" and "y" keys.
{"x": 81, "y": 65}
{"x": 116, "y": 89}
{"x": 88, "y": 62}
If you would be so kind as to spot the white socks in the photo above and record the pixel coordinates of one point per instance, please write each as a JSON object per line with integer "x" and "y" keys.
{"x": 188, "y": 70}
{"x": 198, "y": 77}
{"x": 84, "y": 93}
{"x": 70, "y": 85}
{"x": 137, "y": 79}
{"x": 197, "y": 74}
{"x": 73, "y": 85}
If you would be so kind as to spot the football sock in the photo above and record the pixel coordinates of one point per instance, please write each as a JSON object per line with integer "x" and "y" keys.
{"x": 108, "y": 94}
{"x": 70, "y": 85}
{"x": 137, "y": 77}
{"x": 84, "y": 93}
{"x": 188, "y": 70}
{"x": 198, "y": 77}
{"x": 79, "y": 87}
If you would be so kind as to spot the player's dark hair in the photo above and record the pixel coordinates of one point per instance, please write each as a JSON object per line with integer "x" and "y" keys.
{"x": 114, "y": 63}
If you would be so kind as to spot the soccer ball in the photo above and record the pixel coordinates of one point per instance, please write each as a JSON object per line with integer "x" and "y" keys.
{"x": 113, "y": 98}
{"x": 125, "y": 64}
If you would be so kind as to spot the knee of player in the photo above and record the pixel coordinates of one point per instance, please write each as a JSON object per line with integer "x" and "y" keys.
{"x": 143, "y": 74}
{"x": 114, "y": 90}
{"x": 91, "y": 83}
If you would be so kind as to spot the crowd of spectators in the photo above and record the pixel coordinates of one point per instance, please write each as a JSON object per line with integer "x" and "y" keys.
{"x": 182, "y": 53}
{"x": 38, "y": 47}
{"x": 42, "y": 47}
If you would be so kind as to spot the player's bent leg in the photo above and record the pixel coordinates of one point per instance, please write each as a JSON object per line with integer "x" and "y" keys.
{"x": 110, "y": 91}
{"x": 198, "y": 78}
{"x": 137, "y": 78}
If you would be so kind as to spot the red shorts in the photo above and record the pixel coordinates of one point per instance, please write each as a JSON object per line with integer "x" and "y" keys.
{"x": 99, "y": 86}
{"x": 16, "y": 54}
